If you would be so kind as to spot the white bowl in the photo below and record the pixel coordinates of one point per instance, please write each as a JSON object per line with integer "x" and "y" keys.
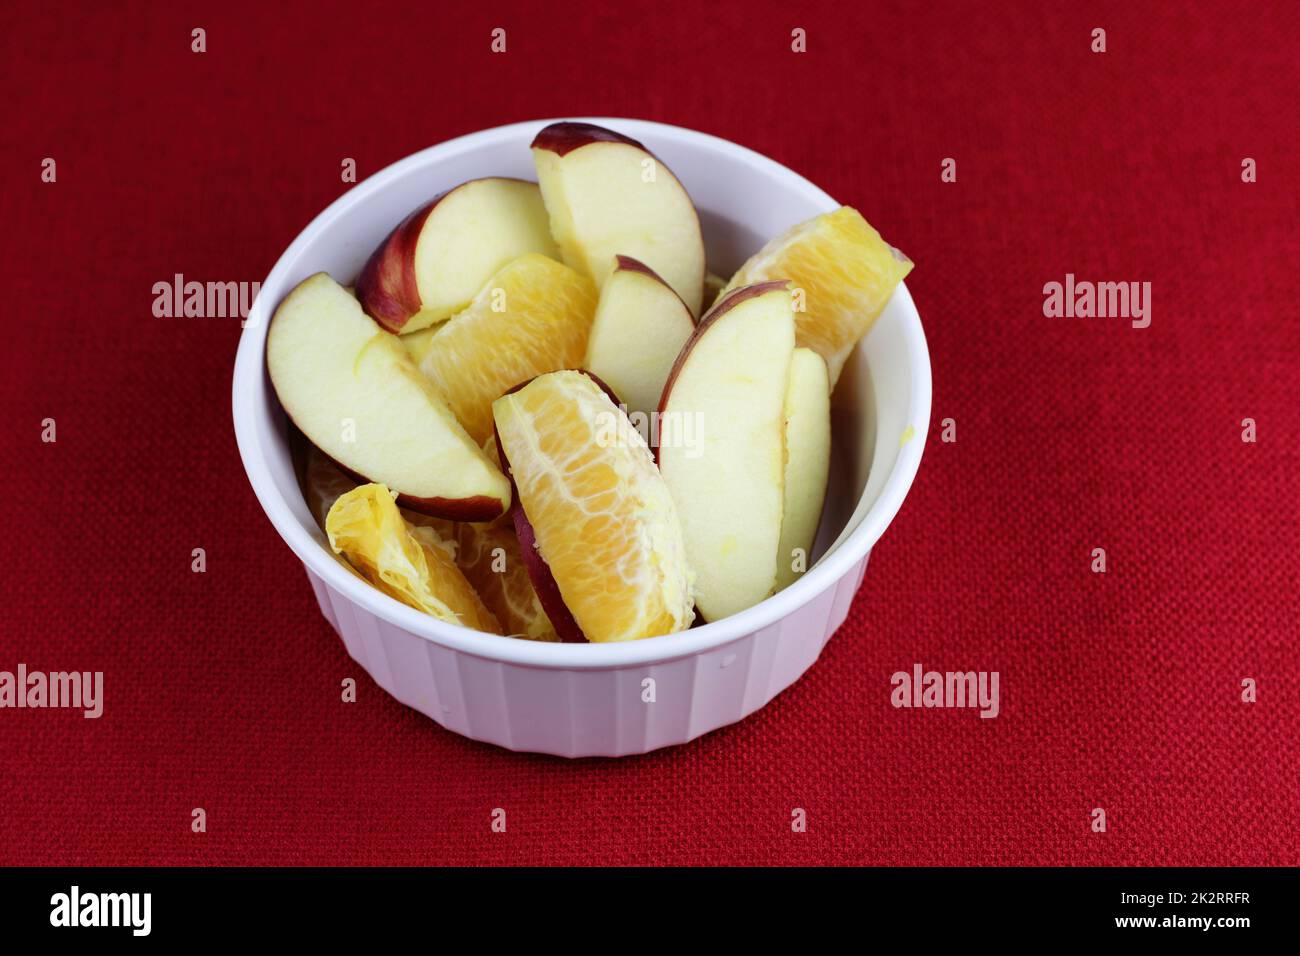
{"x": 580, "y": 700}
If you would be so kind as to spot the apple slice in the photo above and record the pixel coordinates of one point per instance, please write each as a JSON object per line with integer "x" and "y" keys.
{"x": 807, "y": 462}
{"x": 439, "y": 256}
{"x": 607, "y": 195}
{"x": 353, "y": 390}
{"x": 640, "y": 326}
{"x": 721, "y": 445}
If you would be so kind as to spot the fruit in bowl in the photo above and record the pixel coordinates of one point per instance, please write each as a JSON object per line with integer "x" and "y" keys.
{"x": 354, "y": 391}
{"x": 597, "y": 525}
{"x": 608, "y": 196}
{"x": 435, "y": 260}
{"x": 542, "y": 416}
{"x": 639, "y": 327}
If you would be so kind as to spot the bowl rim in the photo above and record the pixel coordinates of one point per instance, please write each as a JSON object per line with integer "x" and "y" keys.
{"x": 249, "y": 395}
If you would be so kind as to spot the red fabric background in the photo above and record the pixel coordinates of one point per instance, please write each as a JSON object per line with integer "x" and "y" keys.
{"x": 1120, "y": 690}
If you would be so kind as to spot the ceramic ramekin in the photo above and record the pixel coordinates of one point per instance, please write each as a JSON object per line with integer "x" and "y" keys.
{"x": 579, "y": 700}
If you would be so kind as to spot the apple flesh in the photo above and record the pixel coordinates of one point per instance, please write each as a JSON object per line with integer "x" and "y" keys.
{"x": 439, "y": 256}
{"x": 419, "y": 343}
{"x": 606, "y": 196}
{"x": 354, "y": 391}
{"x": 640, "y": 326}
{"x": 807, "y": 461}
{"x": 727, "y": 391}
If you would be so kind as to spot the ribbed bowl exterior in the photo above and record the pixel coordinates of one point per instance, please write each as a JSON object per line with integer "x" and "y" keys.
{"x": 589, "y": 713}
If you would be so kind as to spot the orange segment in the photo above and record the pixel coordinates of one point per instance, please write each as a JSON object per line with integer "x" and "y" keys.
{"x": 489, "y": 556}
{"x": 604, "y": 521}
{"x": 533, "y": 316}
{"x": 846, "y": 272}
{"x": 410, "y": 563}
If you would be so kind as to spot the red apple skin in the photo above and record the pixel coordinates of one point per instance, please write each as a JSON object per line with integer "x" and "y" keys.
{"x": 564, "y": 138}
{"x": 722, "y": 307}
{"x": 475, "y": 508}
{"x": 628, "y": 264}
{"x": 386, "y": 288}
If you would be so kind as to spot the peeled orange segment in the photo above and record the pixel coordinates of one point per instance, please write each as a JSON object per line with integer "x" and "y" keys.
{"x": 606, "y": 530}
{"x": 487, "y": 554}
{"x": 490, "y": 558}
{"x": 846, "y": 274}
{"x": 410, "y": 563}
{"x": 533, "y": 316}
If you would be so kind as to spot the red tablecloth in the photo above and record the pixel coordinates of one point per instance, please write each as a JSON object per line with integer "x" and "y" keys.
{"x": 1119, "y": 690}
